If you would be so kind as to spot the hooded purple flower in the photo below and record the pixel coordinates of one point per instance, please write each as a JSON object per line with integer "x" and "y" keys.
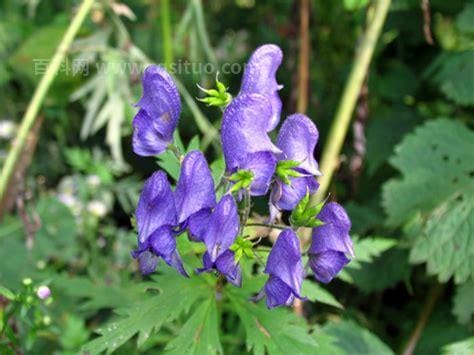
{"x": 195, "y": 189}
{"x": 297, "y": 139}
{"x": 160, "y": 107}
{"x": 330, "y": 243}
{"x": 156, "y": 218}
{"x": 155, "y": 207}
{"x": 245, "y": 143}
{"x": 218, "y": 235}
{"x": 285, "y": 267}
{"x": 260, "y": 78}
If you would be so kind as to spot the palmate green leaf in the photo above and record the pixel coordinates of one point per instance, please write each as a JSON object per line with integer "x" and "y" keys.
{"x": 464, "y": 347}
{"x": 354, "y": 340}
{"x": 437, "y": 165}
{"x": 278, "y": 331}
{"x": 464, "y": 302}
{"x": 200, "y": 333}
{"x": 176, "y": 297}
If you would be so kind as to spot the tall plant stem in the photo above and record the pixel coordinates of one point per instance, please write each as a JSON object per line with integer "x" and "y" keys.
{"x": 166, "y": 33}
{"x": 303, "y": 60}
{"x": 340, "y": 125}
{"x": 431, "y": 299}
{"x": 41, "y": 90}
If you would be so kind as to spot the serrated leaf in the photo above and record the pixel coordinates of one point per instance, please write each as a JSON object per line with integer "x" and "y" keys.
{"x": 464, "y": 347}
{"x": 366, "y": 277}
{"x": 365, "y": 251}
{"x": 278, "y": 331}
{"x": 438, "y": 182}
{"x": 353, "y": 339}
{"x": 316, "y": 293}
{"x": 176, "y": 297}
{"x": 464, "y": 302}
{"x": 200, "y": 333}
{"x": 455, "y": 76}
{"x": 436, "y": 157}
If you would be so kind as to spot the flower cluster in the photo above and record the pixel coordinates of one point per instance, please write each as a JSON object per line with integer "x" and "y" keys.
{"x": 255, "y": 166}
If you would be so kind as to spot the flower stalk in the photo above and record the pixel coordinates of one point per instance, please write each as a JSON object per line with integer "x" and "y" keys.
{"x": 340, "y": 125}
{"x": 31, "y": 113}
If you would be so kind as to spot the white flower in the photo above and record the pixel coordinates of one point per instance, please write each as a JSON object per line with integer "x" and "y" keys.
{"x": 93, "y": 181}
{"x": 97, "y": 208}
{"x": 7, "y": 129}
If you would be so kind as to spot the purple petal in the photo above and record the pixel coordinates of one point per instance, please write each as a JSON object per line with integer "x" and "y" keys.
{"x": 260, "y": 78}
{"x": 334, "y": 234}
{"x": 197, "y": 224}
{"x": 284, "y": 261}
{"x": 160, "y": 107}
{"x": 278, "y": 293}
{"x": 286, "y": 197}
{"x": 147, "y": 261}
{"x": 297, "y": 139}
{"x": 195, "y": 188}
{"x": 227, "y": 266}
{"x": 163, "y": 243}
{"x": 155, "y": 207}
{"x": 244, "y": 129}
{"x": 207, "y": 263}
{"x": 327, "y": 265}
{"x": 262, "y": 164}
{"x": 222, "y": 228}
{"x": 148, "y": 135}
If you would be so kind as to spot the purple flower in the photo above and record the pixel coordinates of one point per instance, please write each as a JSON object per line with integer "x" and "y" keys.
{"x": 286, "y": 197}
{"x": 285, "y": 268}
{"x": 259, "y": 78}
{"x": 195, "y": 189}
{"x": 224, "y": 264}
{"x": 160, "y": 107}
{"x": 218, "y": 235}
{"x": 156, "y": 219}
{"x": 262, "y": 165}
{"x": 161, "y": 243}
{"x": 297, "y": 139}
{"x": 156, "y": 207}
{"x": 245, "y": 143}
{"x": 330, "y": 243}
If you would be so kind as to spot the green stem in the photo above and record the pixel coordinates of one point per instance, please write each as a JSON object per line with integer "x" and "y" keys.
{"x": 166, "y": 33}
{"x": 340, "y": 125}
{"x": 201, "y": 31}
{"x": 41, "y": 90}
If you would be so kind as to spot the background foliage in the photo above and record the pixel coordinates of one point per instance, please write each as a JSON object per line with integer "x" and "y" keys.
{"x": 411, "y": 203}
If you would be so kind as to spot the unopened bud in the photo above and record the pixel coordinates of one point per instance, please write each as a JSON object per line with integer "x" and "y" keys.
{"x": 43, "y": 292}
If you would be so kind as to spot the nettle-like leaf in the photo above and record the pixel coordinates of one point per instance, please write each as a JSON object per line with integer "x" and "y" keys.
{"x": 271, "y": 332}
{"x": 464, "y": 347}
{"x": 353, "y": 339}
{"x": 177, "y": 296}
{"x": 437, "y": 165}
{"x": 365, "y": 251}
{"x": 454, "y": 73}
{"x": 464, "y": 302}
